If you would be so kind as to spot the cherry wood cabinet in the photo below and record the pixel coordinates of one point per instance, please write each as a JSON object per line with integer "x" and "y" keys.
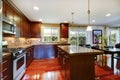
{"x": 7, "y": 67}
{"x": 25, "y": 27}
{"x": 64, "y": 61}
{"x": 76, "y": 67}
{"x": 29, "y": 55}
{"x": 35, "y": 29}
{"x": 17, "y": 19}
{"x": 15, "y": 15}
{"x": 64, "y": 30}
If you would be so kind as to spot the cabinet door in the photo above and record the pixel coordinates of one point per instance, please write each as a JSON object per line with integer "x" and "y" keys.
{"x": 9, "y": 12}
{"x": 35, "y": 28}
{"x": 7, "y": 67}
{"x": 4, "y": 9}
{"x": 64, "y": 30}
{"x": 27, "y": 57}
{"x": 67, "y": 67}
{"x": 44, "y": 51}
{"x": 17, "y": 20}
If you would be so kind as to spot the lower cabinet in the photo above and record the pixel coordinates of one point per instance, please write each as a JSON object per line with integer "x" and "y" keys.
{"x": 29, "y": 55}
{"x": 45, "y": 51}
{"x": 64, "y": 62}
{"x": 7, "y": 67}
{"x": 76, "y": 67}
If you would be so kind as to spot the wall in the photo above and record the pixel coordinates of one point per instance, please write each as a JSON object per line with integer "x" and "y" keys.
{"x": 89, "y": 35}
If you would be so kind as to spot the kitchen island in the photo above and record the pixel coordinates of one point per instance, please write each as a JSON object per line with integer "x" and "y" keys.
{"x": 77, "y": 62}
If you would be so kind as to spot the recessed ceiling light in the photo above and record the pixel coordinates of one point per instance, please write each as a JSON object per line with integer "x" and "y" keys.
{"x": 93, "y": 21}
{"x": 36, "y": 8}
{"x": 65, "y": 21}
{"x": 107, "y": 15}
{"x": 40, "y": 20}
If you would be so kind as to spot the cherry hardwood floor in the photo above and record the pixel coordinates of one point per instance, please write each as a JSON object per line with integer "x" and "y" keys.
{"x": 49, "y": 69}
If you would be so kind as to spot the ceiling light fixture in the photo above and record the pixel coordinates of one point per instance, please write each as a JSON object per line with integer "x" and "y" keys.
{"x": 72, "y": 19}
{"x": 107, "y": 15}
{"x": 40, "y": 20}
{"x": 65, "y": 21}
{"x": 89, "y": 28}
{"x": 36, "y": 8}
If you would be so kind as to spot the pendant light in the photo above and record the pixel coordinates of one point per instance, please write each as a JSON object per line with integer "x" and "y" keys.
{"x": 72, "y": 19}
{"x": 89, "y": 28}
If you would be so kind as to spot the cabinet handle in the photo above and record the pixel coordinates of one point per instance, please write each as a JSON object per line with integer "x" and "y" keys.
{"x": 4, "y": 61}
{"x": 4, "y": 69}
{"x": 5, "y": 77}
{"x": 66, "y": 56}
{"x": 28, "y": 53}
{"x": 63, "y": 60}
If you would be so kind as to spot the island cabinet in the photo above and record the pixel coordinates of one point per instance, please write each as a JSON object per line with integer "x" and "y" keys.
{"x": 7, "y": 66}
{"x": 77, "y": 63}
{"x": 29, "y": 55}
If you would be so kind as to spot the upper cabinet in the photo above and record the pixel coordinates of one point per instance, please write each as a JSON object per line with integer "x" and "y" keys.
{"x": 22, "y": 23}
{"x": 17, "y": 19}
{"x": 64, "y": 28}
{"x": 35, "y": 29}
{"x": 25, "y": 27}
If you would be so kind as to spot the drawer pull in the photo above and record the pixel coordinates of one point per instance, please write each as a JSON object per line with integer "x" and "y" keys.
{"x": 4, "y": 61}
{"x": 5, "y": 77}
{"x": 4, "y": 69}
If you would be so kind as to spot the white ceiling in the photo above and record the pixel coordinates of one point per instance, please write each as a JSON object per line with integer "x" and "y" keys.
{"x": 57, "y": 11}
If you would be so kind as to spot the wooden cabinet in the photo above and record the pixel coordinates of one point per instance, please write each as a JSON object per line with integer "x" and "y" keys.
{"x": 29, "y": 55}
{"x": 76, "y": 67}
{"x": 64, "y": 61}
{"x": 45, "y": 51}
{"x": 64, "y": 28}
{"x": 7, "y": 67}
{"x": 35, "y": 29}
{"x": 17, "y": 19}
{"x": 22, "y": 23}
{"x": 25, "y": 27}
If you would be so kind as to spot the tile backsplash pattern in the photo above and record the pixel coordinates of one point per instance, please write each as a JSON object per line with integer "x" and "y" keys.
{"x": 15, "y": 41}
{"x": 22, "y": 41}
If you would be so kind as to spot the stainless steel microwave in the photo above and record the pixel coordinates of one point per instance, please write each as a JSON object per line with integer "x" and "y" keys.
{"x": 8, "y": 26}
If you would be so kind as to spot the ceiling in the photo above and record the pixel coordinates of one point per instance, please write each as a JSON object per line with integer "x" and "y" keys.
{"x": 57, "y": 11}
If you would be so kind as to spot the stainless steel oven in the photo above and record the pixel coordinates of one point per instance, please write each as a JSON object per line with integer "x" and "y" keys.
{"x": 19, "y": 65}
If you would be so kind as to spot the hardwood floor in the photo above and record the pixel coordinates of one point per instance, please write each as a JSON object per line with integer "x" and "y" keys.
{"x": 49, "y": 69}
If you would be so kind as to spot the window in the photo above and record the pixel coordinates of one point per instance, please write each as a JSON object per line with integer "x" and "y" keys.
{"x": 113, "y": 36}
{"x": 50, "y": 34}
{"x": 77, "y": 36}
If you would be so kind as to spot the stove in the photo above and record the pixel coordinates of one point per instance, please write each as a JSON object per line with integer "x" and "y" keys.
{"x": 18, "y": 61}
{"x": 15, "y": 52}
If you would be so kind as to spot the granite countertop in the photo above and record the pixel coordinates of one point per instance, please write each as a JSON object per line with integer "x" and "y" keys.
{"x": 29, "y": 45}
{"x": 77, "y": 50}
{"x": 23, "y": 46}
{"x": 54, "y": 43}
{"x": 4, "y": 54}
